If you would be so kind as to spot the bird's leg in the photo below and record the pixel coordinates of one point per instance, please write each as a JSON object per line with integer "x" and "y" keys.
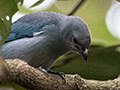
{"x": 42, "y": 69}
{"x": 61, "y": 74}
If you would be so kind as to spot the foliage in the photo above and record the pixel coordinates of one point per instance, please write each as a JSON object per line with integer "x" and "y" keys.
{"x": 8, "y": 8}
{"x": 103, "y": 59}
{"x": 37, "y": 3}
{"x": 103, "y": 63}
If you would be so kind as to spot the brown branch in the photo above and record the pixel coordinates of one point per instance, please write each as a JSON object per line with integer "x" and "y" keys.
{"x": 3, "y": 70}
{"x": 23, "y": 74}
{"x": 76, "y": 7}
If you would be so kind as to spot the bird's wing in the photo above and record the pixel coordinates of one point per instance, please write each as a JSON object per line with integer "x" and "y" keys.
{"x": 30, "y": 26}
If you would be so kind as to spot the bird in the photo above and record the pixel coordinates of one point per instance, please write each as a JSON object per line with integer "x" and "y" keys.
{"x": 42, "y": 37}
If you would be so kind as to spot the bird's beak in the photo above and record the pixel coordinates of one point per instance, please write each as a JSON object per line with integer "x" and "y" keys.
{"x": 84, "y": 53}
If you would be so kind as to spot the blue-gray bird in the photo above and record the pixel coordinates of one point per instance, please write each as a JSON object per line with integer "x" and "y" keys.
{"x": 40, "y": 38}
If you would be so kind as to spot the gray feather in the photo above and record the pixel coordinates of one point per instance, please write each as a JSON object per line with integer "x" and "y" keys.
{"x": 40, "y": 38}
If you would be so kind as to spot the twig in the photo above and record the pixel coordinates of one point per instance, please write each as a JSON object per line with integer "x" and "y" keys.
{"x": 76, "y": 7}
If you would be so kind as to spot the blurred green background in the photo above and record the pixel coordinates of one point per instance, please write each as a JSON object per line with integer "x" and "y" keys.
{"x": 104, "y": 54}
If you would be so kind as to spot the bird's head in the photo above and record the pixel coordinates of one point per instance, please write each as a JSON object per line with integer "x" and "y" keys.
{"x": 77, "y": 36}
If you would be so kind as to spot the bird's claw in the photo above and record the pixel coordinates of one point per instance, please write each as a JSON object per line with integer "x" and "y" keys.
{"x": 61, "y": 74}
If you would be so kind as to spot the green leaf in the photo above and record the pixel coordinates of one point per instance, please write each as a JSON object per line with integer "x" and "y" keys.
{"x": 4, "y": 30}
{"x": 8, "y": 8}
{"x": 37, "y": 3}
{"x": 103, "y": 63}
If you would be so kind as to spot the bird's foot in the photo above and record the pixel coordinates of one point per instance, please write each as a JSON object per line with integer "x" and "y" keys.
{"x": 61, "y": 74}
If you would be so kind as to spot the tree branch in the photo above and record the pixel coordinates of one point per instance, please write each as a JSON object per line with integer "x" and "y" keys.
{"x": 76, "y": 7}
{"x": 23, "y": 74}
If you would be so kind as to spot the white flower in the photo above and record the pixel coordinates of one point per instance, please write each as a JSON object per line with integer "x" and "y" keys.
{"x": 27, "y": 3}
{"x": 113, "y": 19}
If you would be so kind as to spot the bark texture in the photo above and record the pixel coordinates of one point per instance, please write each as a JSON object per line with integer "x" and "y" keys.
{"x": 21, "y": 73}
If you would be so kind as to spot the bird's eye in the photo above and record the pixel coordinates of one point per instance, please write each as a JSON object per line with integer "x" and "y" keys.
{"x": 75, "y": 41}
